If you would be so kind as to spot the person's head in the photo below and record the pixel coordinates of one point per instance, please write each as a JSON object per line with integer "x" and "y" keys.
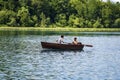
{"x": 75, "y": 39}
{"x": 62, "y": 36}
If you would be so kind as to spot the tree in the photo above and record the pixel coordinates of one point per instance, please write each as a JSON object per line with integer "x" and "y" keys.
{"x": 61, "y": 20}
{"x": 117, "y": 23}
{"x": 35, "y": 20}
{"x": 24, "y": 17}
{"x": 79, "y": 6}
{"x": 73, "y": 13}
{"x": 8, "y": 17}
{"x": 97, "y": 24}
{"x": 43, "y": 20}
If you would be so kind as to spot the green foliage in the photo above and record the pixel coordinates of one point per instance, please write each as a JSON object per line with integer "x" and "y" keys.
{"x": 12, "y": 22}
{"x": 71, "y": 20}
{"x": 76, "y": 21}
{"x": 117, "y": 23}
{"x": 106, "y": 23}
{"x": 61, "y": 13}
{"x": 23, "y": 15}
{"x": 97, "y": 24}
{"x": 43, "y": 20}
{"x": 35, "y": 20}
{"x": 8, "y": 17}
{"x": 88, "y": 24}
{"x": 61, "y": 20}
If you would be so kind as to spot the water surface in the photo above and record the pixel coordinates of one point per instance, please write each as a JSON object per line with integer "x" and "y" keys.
{"x": 22, "y": 58}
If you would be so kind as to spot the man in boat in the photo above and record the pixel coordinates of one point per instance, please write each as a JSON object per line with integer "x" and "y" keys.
{"x": 60, "y": 40}
{"x": 75, "y": 41}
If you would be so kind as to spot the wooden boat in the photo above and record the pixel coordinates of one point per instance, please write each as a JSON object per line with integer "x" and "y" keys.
{"x": 67, "y": 46}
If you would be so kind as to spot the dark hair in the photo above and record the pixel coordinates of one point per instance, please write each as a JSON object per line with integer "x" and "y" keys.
{"x": 62, "y": 36}
{"x": 75, "y": 38}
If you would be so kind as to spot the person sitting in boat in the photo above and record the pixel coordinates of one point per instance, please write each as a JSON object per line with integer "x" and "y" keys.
{"x": 75, "y": 41}
{"x": 60, "y": 40}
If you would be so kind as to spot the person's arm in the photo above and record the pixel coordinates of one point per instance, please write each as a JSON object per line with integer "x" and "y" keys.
{"x": 73, "y": 42}
{"x": 61, "y": 41}
{"x": 79, "y": 43}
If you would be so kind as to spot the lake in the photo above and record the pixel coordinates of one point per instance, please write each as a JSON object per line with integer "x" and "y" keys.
{"x": 22, "y": 57}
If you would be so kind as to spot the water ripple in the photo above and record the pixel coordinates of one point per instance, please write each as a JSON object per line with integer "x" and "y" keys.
{"x": 22, "y": 58}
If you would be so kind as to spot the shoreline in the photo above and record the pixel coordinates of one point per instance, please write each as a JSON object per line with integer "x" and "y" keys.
{"x": 60, "y": 29}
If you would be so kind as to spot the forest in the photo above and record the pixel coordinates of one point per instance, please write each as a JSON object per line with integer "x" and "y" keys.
{"x": 60, "y": 13}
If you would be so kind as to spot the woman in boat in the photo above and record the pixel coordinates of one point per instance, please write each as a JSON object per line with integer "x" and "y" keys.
{"x": 75, "y": 41}
{"x": 60, "y": 40}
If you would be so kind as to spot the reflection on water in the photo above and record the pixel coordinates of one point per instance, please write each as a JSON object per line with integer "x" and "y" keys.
{"x": 58, "y": 33}
{"x": 22, "y": 58}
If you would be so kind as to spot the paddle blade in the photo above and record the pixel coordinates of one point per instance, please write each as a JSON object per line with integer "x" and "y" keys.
{"x": 89, "y": 45}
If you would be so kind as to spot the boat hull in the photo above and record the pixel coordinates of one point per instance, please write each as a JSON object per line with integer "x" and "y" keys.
{"x": 68, "y": 46}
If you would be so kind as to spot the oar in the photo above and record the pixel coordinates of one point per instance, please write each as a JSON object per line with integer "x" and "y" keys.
{"x": 88, "y": 45}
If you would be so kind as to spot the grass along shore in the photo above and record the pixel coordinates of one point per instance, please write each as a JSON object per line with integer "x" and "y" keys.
{"x": 60, "y": 29}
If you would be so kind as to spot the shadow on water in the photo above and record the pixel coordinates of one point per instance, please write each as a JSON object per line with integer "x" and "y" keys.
{"x": 11, "y": 33}
{"x": 60, "y": 51}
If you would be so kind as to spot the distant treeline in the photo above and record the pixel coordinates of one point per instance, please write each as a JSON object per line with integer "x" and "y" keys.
{"x": 60, "y": 13}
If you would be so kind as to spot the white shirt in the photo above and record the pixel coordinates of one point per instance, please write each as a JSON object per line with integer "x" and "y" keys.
{"x": 60, "y": 40}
